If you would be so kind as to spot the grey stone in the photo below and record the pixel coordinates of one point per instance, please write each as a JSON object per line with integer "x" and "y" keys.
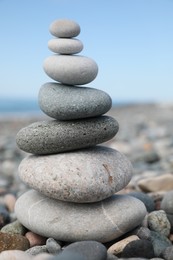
{"x": 158, "y": 221}
{"x": 65, "y": 46}
{"x": 35, "y": 250}
{"x": 167, "y": 254}
{"x": 48, "y": 137}
{"x": 147, "y": 200}
{"x": 64, "y": 102}
{"x": 170, "y": 218}
{"x": 139, "y": 248}
{"x": 160, "y": 242}
{"x": 167, "y": 202}
{"x": 52, "y": 246}
{"x": 15, "y": 228}
{"x": 87, "y": 175}
{"x": 91, "y": 250}
{"x": 66, "y": 221}
{"x": 68, "y": 256}
{"x": 71, "y": 69}
{"x": 64, "y": 28}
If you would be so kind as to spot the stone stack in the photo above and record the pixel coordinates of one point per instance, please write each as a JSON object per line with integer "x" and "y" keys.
{"x": 74, "y": 178}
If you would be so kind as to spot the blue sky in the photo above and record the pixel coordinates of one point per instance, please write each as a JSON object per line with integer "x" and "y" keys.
{"x": 131, "y": 41}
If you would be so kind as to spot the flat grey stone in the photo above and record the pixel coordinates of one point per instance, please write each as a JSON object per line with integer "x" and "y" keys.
{"x": 91, "y": 250}
{"x": 64, "y": 102}
{"x": 66, "y": 221}
{"x": 65, "y": 45}
{"x": 64, "y": 28}
{"x": 83, "y": 176}
{"x": 70, "y": 69}
{"x": 167, "y": 202}
{"x": 48, "y": 137}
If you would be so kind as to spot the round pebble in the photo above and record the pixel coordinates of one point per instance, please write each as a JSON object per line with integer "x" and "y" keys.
{"x": 147, "y": 200}
{"x": 66, "y": 221}
{"x": 35, "y": 239}
{"x": 52, "y": 246}
{"x": 14, "y": 228}
{"x": 87, "y": 175}
{"x": 4, "y": 216}
{"x": 48, "y": 137}
{"x": 35, "y": 250}
{"x": 158, "y": 221}
{"x": 71, "y": 69}
{"x": 14, "y": 255}
{"x": 13, "y": 242}
{"x": 65, "y": 46}
{"x": 159, "y": 242}
{"x": 64, "y": 102}
{"x": 91, "y": 250}
{"x": 10, "y": 200}
{"x": 64, "y": 28}
{"x": 167, "y": 202}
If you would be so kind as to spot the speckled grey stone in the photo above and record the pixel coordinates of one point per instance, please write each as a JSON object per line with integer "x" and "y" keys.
{"x": 64, "y": 28}
{"x": 158, "y": 221}
{"x": 65, "y": 46}
{"x": 86, "y": 175}
{"x": 64, "y": 102}
{"x": 66, "y": 221}
{"x": 70, "y": 69}
{"x": 48, "y": 137}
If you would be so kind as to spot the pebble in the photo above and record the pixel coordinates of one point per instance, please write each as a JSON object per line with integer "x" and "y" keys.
{"x": 160, "y": 242}
{"x": 4, "y": 216}
{"x": 14, "y": 255}
{"x": 160, "y": 183}
{"x": 118, "y": 247}
{"x": 167, "y": 202}
{"x": 35, "y": 239}
{"x": 64, "y": 102}
{"x": 9, "y": 201}
{"x": 14, "y": 228}
{"x": 167, "y": 254}
{"x": 74, "y": 176}
{"x": 108, "y": 214}
{"x": 48, "y": 137}
{"x": 138, "y": 248}
{"x": 146, "y": 199}
{"x": 69, "y": 256}
{"x": 53, "y": 247}
{"x": 13, "y": 242}
{"x": 70, "y": 69}
{"x": 35, "y": 250}
{"x": 64, "y": 28}
{"x": 158, "y": 221}
{"x": 90, "y": 250}
{"x": 65, "y": 46}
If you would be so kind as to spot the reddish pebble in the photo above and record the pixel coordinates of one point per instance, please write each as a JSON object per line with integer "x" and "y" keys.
{"x": 34, "y": 239}
{"x": 10, "y": 200}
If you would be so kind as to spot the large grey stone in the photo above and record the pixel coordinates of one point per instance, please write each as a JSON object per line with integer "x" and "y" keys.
{"x": 48, "y": 137}
{"x": 71, "y": 69}
{"x": 66, "y": 102}
{"x": 64, "y": 28}
{"x": 66, "y": 221}
{"x": 86, "y": 175}
{"x": 65, "y": 46}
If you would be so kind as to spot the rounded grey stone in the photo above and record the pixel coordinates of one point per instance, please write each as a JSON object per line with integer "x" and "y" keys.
{"x": 83, "y": 176}
{"x": 64, "y": 102}
{"x": 70, "y": 69}
{"x": 67, "y": 221}
{"x": 48, "y": 137}
{"x": 65, "y": 46}
{"x": 64, "y": 28}
{"x": 167, "y": 202}
{"x": 91, "y": 250}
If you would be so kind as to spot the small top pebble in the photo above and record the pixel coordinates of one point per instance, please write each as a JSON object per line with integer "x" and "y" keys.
{"x": 64, "y": 28}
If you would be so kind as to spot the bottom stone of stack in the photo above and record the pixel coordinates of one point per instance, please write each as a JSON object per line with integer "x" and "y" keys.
{"x": 66, "y": 221}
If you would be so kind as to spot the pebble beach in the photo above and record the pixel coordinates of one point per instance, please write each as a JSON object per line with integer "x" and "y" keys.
{"x": 145, "y": 138}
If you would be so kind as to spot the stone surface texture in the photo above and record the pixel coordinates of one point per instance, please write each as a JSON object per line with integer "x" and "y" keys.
{"x": 70, "y": 69}
{"x": 65, "y": 46}
{"x": 86, "y": 175}
{"x": 64, "y": 102}
{"x": 64, "y": 28}
{"x": 66, "y": 221}
{"x": 48, "y": 137}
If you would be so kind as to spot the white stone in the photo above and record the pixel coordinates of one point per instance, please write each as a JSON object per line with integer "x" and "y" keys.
{"x": 83, "y": 176}
{"x": 65, "y": 46}
{"x": 64, "y": 28}
{"x": 71, "y": 69}
{"x": 66, "y": 221}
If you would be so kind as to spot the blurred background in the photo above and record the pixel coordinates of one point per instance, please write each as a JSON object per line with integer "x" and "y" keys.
{"x": 130, "y": 40}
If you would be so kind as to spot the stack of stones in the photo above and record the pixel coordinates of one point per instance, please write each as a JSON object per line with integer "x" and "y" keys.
{"x": 73, "y": 178}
